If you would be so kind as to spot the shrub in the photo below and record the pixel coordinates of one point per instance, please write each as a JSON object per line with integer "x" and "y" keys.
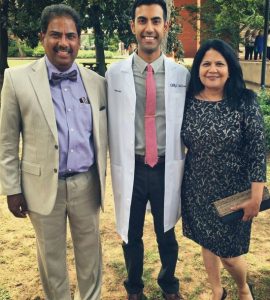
{"x": 38, "y": 51}
{"x": 92, "y": 54}
{"x": 108, "y": 54}
{"x": 13, "y": 51}
{"x": 264, "y": 100}
{"x": 27, "y": 50}
{"x": 86, "y": 54}
{"x": 267, "y": 131}
{"x": 113, "y": 48}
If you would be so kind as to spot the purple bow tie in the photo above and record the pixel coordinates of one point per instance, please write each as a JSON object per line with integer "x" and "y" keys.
{"x": 58, "y": 77}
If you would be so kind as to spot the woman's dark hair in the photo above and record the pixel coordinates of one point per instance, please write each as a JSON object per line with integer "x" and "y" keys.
{"x": 59, "y": 10}
{"x": 235, "y": 87}
{"x": 138, "y": 3}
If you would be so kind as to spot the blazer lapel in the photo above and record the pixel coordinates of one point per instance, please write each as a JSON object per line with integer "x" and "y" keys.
{"x": 39, "y": 78}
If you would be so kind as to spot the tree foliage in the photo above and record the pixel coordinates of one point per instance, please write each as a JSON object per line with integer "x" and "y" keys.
{"x": 24, "y": 19}
{"x": 173, "y": 42}
{"x": 3, "y": 36}
{"x": 226, "y": 19}
{"x": 21, "y": 18}
{"x": 106, "y": 18}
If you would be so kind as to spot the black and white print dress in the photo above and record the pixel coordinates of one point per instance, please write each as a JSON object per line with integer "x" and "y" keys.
{"x": 225, "y": 153}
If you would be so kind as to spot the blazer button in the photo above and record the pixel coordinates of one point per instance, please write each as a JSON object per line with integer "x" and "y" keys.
{"x": 55, "y": 170}
{"x": 56, "y": 147}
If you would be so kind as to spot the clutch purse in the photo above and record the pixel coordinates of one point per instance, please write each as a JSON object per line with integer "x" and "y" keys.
{"x": 223, "y": 206}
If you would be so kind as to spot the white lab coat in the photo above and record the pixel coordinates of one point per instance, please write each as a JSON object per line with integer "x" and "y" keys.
{"x": 121, "y": 126}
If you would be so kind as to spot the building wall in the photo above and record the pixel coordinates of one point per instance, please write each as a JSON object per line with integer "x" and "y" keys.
{"x": 252, "y": 72}
{"x": 189, "y": 37}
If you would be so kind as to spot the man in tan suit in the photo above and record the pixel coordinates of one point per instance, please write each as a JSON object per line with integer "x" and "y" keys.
{"x": 59, "y": 109}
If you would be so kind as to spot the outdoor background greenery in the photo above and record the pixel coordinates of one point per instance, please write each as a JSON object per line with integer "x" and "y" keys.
{"x": 264, "y": 100}
{"x": 105, "y": 20}
{"x": 225, "y": 19}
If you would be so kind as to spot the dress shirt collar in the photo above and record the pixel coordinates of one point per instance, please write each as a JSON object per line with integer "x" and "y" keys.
{"x": 141, "y": 64}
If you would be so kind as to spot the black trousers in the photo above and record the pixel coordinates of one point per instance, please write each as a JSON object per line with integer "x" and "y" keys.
{"x": 149, "y": 185}
{"x": 249, "y": 52}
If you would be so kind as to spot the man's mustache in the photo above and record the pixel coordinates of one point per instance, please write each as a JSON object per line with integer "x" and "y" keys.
{"x": 61, "y": 48}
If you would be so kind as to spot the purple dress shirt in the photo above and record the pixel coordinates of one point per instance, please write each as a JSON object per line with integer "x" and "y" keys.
{"x": 74, "y": 122}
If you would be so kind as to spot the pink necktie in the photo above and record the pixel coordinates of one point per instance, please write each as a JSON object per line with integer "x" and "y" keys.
{"x": 151, "y": 154}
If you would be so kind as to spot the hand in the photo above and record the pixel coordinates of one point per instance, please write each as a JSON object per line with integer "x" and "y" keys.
{"x": 251, "y": 209}
{"x": 17, "y": 205}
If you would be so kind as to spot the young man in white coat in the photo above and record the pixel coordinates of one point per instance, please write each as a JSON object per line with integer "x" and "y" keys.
{"x": 146, "y": 95}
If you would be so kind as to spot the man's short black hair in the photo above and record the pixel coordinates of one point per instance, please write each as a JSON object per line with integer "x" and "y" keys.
{"x": 138, "y": 3}
{"x": 59, "y": 10}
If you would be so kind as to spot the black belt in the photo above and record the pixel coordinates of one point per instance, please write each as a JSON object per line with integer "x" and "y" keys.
{"x": 67, "y": 175}
{"x": 141, "y": 159}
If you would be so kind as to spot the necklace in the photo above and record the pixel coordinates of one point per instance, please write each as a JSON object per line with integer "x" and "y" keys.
{"x": 214, "y": 98}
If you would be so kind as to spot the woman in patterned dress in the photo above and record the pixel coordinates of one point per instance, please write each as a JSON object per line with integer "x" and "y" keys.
{"x": 223, "y": 133}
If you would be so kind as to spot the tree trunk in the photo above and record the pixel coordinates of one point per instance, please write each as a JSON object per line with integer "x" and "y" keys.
{"x": 99, "y": 42}
{"x": 18, "y": 44}
{"x": 3, "y": 39}
{"x": 100, "y": 55}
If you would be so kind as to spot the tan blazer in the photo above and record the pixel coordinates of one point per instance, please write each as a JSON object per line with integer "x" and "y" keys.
{"x": 27, "y": 109}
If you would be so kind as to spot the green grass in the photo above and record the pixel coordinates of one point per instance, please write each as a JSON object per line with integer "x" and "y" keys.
{"x": 18, "y": 62}
{"x": 4, "y": 294}
{"x": 13, "y": 62}
{"x": 118, "y": 268}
